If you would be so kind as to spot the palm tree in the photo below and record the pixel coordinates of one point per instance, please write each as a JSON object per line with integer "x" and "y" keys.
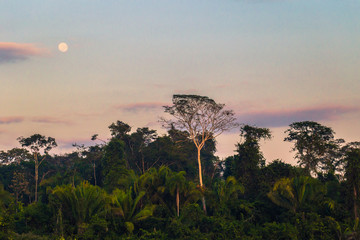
{"x": 228, "y": 189}
{"x": 162, "y": 184}
{"x": 154, "y": 183}
{"x": 124, "y": 205}
{"x": 176, "y": 183}
{"x": 81, "y": 203}
{"x": 293, "y": 193}
{"x": 224, "y": 195}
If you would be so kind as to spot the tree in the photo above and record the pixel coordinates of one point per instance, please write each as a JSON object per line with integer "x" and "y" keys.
{"x": 176, "y": 151}
{"x": 128, "y": 208}
{"x": 352, "y": 171}
{"x": 225, "y": 193}
{"x": 245, "y": 166}
{"x": 92, "y": 154}
{"x": 15, "y": 155}
{"x": 119, "y": 129}
{"x": 154, "y": 183}
{"x": 249, "y": 155}
{"x": 81, "y": 203}
{"x": 312, "y": 142}
{"x": 294, "y": 193}
{"x": 114, "y": 169}
{"x": 275, "y": 171}
{"x": 35, "y": 144}
{"x": 202, "y": 118}
{"x": 161, "y": 184}
{"x": 176, "y": 183}
{"x": 19, "y": 185}
{"x": 138, "y": 144}
{"x": 5, "y": 197}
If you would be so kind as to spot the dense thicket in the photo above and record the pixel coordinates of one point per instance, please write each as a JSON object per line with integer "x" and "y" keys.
{"x": 138, "y": 185}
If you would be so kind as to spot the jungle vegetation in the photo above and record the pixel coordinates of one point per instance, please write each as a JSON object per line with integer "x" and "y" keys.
{"x": 139, "y": 185}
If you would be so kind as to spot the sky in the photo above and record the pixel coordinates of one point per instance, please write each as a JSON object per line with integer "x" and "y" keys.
{"x": 273, "y": 62}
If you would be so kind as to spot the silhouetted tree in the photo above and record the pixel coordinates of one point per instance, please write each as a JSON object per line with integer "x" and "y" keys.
{"x": 312, "y": 141}
{"x": 35, "y": 144}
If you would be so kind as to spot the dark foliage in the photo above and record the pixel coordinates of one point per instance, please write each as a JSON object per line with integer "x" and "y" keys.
{"x": 139, "y": 185}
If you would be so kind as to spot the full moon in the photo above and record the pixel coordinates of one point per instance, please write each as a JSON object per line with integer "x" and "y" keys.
{"x": 63, "y": 47}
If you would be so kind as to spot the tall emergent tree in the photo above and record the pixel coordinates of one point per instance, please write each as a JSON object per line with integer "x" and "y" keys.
{"x": 312, "y": 142}
{"x": 35, "y": 143}
{"x": 202, "y": 118}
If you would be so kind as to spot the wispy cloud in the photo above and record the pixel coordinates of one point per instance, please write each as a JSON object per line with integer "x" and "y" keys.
{"x": 144, "y": 106}
{"x": 50, "y": 120}
{"x": 11, "y": 51}
{"x": 9, "y": 120}
{"x": 280, "y": 118}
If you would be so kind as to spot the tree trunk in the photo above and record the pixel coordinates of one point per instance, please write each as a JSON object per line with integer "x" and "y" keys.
{"x": 200, "y": 171}
{"x": 36, "y": 179}
{"x": 178, "y": 201}
{"x": 94, "y": 167}
{"x": 201, "y": 182}
{"x": 143, "y": 163}
{"x": 355, "y": 204}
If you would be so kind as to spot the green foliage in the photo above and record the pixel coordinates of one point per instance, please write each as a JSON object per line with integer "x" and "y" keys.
{"x": 352, "y": 172}
{"x": 5, "y": 197}
{"x": 15, "y": 155}
{"x": 313, "y": 226}
{"x": 148, "y": 235}
{"x": 38, "y": 218}
{"x": 245, "y": 166}
{"x": 314, "y": 144}
{"x": 202, "y": 119}
{"x": 156, "y": 195}
{"x": 125, "y": 207}
{"x": 223, "y": 194}
{"x": 278, "y": 231}
{"x": 37, "y": 142}
{"x": 80, "y": 204}
{"x": 220, "y": 228}
{"x": 296, "y": 193}
{"x": 114, "y": 169}
{"x": 164, "y": 187}
{"x": 28, "y": 236}
{"x": 97, "y": 228}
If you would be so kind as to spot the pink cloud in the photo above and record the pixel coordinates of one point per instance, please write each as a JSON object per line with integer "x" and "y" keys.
{"x": 8, "y": 120}
{"x": 50, "y": 120}
{"x": 144, "y": 106}
{"x": 11, "y": 51}
{"x": 279, "y": 118}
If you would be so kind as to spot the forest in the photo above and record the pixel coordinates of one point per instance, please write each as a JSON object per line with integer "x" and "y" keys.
{"x": 140, "y": 185}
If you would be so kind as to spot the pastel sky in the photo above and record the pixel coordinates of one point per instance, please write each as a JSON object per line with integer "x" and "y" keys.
{"x": 273, "y": 62}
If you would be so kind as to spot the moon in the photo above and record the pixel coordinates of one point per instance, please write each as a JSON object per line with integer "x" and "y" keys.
{"x": 63, "y": 47}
